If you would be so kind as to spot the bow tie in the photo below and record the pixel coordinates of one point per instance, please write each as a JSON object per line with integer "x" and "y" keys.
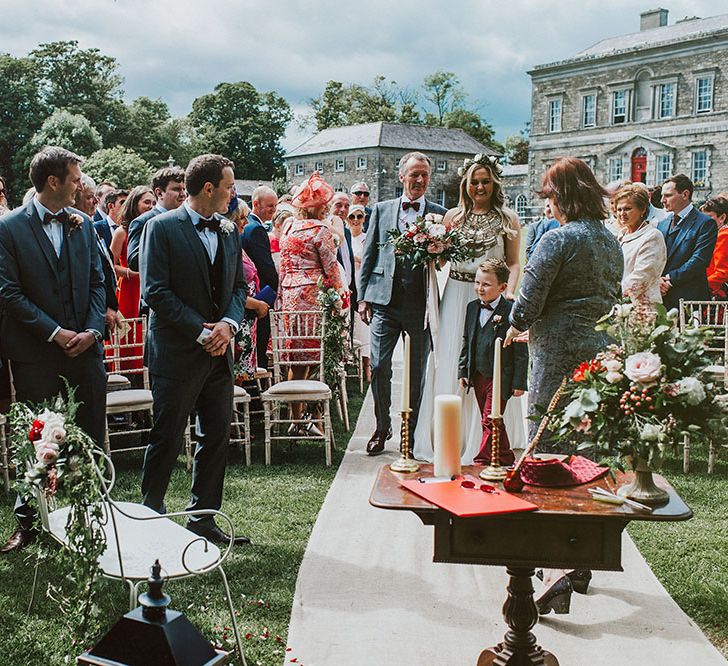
{"x": 213, "y": 224}
{"x": 61, "y": 216}
{"x": 485, "y": 306}
{"x": 410, "y": 204}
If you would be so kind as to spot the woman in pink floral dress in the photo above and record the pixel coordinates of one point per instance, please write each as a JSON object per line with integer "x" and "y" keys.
{"x": 308, "y": 252}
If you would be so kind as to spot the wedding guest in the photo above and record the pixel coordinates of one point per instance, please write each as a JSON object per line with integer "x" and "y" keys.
{"x": 537, "y": 229}
{"x": 360, "y": 197}
{"x": 104, "y": 227}
{"x": 690, "y": 237}
{"x": 487, "y": 319}
{"x": 4, "y": 207}
{"x": 86, "y": 197}
{"x": 717, "y": 272}
{"x": 643, "y": 246}
{"x": 257, "y": 246}
{"x": 282, "y": 215}
{"x": 308, "y": 253}
{"x": 392, "y": 296}
{"x": 168, "y": 185}
{"x": 28, "y": 196}
{"x": 355, "y": 223}
{"x": 340, "y": 205}
{"x": 53, "y": 303}
{"x": 192, "y": 279}
{"x": 654, "y": 213}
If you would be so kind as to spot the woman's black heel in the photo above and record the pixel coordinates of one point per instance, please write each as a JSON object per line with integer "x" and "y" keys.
{"x": 580, "y": 579}
{"x": 557, "y": 598}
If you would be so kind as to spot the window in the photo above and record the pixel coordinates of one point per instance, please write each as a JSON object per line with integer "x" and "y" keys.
{"x": 340, "y": 164}
{"x": 442, "y": 165}
{"x": 521, "y": 207}
{"x": 361, "y": 162}
{"x": 666, "y": 100}
{"x": 398, "y": 191}
{"x": 441, "y": 197}
{"x": 619, "y": 107}
{"x": 615, "y": 169}
{"x": 699, "y": 168}
{"x": 341, "y": 187}
{"x": 299, "y": 168}
{"x": 663, "y": 168}
{"x": 555, "y": 115}
{"x": 703, "y": 94}
{"x": 589, "y": 110}
{"x": 319, "y": 166}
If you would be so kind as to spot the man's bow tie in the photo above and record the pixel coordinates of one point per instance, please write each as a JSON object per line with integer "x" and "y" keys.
{"x": 61, "y": 216}
{"x": 485, "y": 306}
{"x": 410, "y": 204}
{"x": 213, "y": 224}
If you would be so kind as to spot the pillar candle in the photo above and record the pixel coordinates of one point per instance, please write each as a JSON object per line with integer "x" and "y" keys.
{"x": 448, "y": 436}
{"x": 406, "y": 374}
{"x": 495, "y": 407}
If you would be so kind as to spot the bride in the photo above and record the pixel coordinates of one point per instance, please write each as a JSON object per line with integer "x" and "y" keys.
{"x": 490, "y": 230}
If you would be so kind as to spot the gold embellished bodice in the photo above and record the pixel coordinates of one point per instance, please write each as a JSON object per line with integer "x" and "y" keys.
{"x": 483, "y": 234}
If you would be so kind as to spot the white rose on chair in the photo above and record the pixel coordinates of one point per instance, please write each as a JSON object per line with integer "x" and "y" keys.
{"x": 643, "y": 367}
{"x": 53, "y": 429}
{"x": 692, "y": 389}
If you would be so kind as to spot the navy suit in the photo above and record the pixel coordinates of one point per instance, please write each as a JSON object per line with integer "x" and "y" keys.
{"x": 40, "y": 291}
{"x": 690, "y": 248}
{"x": 136, "y": 226}
{"x": 184, "y": 289}
{"x": 257, "y": 246}
{"x": 104, "y": 231}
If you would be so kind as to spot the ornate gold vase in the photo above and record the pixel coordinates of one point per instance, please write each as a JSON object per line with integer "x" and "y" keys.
{"x": 643, "y": 488}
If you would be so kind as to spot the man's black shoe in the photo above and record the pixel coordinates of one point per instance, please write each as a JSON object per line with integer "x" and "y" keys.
{"x": 375, "y": 445}
{"x": 215, "y": 535}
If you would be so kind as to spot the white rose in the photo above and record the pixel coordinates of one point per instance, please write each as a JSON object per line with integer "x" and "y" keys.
{"x": 650, "y": 432}
{"x": 613, "y": 377}
{"x": 643, "y": 367}
{"x": 433, "y": 218}
{"x": 436, "y": 230}
{"x": 612, "y": 365}
{"x": 692, "y": 389}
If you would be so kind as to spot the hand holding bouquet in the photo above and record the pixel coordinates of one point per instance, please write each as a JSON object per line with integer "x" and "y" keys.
{"x": 428, "y": 239}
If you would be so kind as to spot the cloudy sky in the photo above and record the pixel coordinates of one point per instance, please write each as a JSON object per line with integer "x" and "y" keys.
{"x": 180, "y": 49}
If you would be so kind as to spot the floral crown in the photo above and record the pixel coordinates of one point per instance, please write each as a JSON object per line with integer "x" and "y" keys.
{"x": 490, "y": 161}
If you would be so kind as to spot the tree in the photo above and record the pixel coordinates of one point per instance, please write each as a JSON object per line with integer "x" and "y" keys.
{"x": 120, "y": 165}
{"x": 67, "y": 130}
{"x": 472, "y": 123}
{"x": 244, "y": 125}
{"x": 445, "y": 92}
{"x": 517, "y": 147}
{"x": 21, "y": 115}
{"x": 330, "y": 108}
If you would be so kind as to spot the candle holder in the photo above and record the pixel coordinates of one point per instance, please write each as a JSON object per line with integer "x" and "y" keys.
{"x": 494, "y": 471}
{"x": 405, "y": 462}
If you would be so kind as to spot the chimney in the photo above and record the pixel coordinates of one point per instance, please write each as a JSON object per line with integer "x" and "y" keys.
{"x": 653, "y": 18}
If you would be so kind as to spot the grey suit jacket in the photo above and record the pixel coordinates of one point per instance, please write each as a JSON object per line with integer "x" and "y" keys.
{"x": 378, "y": 261}
{"x": 30, "y": 308}
{"x": 175, "y": 281}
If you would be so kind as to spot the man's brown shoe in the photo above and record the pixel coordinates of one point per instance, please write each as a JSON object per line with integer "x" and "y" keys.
{"x": 19, "y": 539}
{"x": 375, "y": 445}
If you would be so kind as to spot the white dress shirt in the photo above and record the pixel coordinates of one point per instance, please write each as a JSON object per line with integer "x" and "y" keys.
{"x": 486, "y": 314}
{"x": 408, "y": 217}
{"x": 54, "y": 230}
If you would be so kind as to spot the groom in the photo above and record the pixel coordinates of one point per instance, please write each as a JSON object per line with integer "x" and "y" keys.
{"x": 393, "y": 295}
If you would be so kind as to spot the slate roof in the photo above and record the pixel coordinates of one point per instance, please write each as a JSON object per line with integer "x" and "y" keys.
{"x": 515, "y": 170}
{"x": 391, "y": 135}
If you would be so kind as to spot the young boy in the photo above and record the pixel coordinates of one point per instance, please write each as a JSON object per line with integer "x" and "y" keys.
{"x": 487, "y": 319}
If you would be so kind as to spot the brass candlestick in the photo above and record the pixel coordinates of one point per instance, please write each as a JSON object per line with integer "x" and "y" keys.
{"x": 405, "y": 463}
{"x": 494, "y": 471}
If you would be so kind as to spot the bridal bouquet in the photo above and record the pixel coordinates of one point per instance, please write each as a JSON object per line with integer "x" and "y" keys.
{"x": 645, "y": 391}
{"x": 427, "y": 240}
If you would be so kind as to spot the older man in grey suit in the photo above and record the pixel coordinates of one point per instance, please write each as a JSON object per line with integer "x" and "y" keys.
{"x": 52, "y": 303}
{"x": 393, "y": 295}
{"x": 192, "y": 278}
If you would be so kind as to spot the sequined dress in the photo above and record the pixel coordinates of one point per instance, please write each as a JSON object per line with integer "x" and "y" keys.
{"x": 484, "y": 236}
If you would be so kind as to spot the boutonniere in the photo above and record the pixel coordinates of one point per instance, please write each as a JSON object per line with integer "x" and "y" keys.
{"x": 226, "y": 226}
{"x": 75, "y": 222}
{"x": 497, "y": 319}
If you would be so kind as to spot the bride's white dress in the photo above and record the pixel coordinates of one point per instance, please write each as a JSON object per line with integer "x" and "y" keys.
{"x": 484, "y": 235}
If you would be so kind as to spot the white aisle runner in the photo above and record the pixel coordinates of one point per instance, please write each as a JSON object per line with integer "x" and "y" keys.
{"x": 368, "y": 593}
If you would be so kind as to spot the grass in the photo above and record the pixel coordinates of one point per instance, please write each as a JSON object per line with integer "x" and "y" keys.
{"x": 276, "y": 506}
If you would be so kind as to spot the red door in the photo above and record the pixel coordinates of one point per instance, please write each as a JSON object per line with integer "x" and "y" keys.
{"x": 639, "y": 166}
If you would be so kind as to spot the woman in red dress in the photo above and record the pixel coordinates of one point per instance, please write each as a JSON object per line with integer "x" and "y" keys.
{"x": 308, "y": 252}
{"x": 717, "y": 271}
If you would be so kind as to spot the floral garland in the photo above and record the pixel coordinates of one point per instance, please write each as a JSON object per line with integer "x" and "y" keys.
{"x": 427, "y": 240}
{"x": 243, "y": 350}
{"x": 490, "y": 161}
{"x": 336, "y": 348}
{"x": 60, "y": 457}
{"x": 643, "y": 393}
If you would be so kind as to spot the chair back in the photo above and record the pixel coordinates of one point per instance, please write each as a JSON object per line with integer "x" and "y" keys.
{"x": 710, "y": 315}
{"x": 125, "y": 353}
{"x": 297, "y": 339}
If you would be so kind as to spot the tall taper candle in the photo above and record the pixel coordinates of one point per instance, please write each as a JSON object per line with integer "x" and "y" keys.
{"x": 447, "y": 434}
{"x": 406, "y": 373}
{"x": 495, "y": 407}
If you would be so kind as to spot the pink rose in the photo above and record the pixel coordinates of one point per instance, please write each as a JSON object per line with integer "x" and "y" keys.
{"x": 55, "y": 434}
{"x": 435, "y": 247}
{"x": 584, "y": 424}
{"x": 643, "y": 367}
{"x": 420, "y": 238}
{"x": 47, "y": 453}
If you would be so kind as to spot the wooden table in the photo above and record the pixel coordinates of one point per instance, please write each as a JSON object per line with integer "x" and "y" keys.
{"x": 568, "y": 531}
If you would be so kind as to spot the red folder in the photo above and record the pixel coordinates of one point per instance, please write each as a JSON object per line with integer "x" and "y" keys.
{"x": 464, "y": 502}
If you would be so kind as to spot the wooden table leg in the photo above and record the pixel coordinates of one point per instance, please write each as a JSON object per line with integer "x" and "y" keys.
{"x": 519, "y": 647}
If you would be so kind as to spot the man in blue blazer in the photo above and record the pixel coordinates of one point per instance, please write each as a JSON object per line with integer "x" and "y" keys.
{"x": 52, "y": 303}
{"x": 257, "y": 246}
{"x": 104, "y": 223}
{"x": 392, "y": 295}
{"x": 537, "y": 229}
{"x": 192, "y": 280}
{"x": 690, "y": 238}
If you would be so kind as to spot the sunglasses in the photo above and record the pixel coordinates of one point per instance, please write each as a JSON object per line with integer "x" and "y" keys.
{"x": 356, "y": 217}
{"x": 362, "y": 194}
{"x": 467, "y": 483}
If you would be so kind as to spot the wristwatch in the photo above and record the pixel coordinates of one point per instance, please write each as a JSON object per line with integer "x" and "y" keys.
{"x": 97, "y": 335}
